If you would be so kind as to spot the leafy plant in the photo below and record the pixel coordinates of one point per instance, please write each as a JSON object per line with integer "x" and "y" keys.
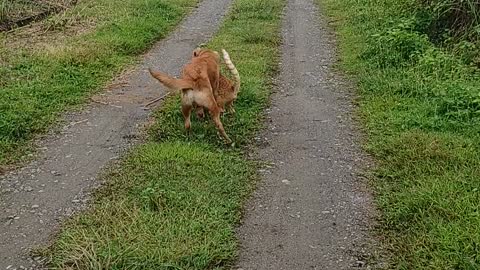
{"x": 396, "y": 45}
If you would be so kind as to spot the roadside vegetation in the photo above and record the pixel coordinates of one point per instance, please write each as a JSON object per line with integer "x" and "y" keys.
{"x": 174, "y": 202}
{"x": 417, "y": 63}
{"x": 55, "y": 64}
{"x": 17, "y": 13}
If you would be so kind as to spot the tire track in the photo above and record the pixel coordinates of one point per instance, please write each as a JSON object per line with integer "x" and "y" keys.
{"x": 310, "y": 211}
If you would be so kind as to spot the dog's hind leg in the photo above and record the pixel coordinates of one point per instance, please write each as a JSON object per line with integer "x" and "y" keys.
{"x": 208, "y": 101}
{"x": 186, "y": 110}
{"x": 187, "y": 103}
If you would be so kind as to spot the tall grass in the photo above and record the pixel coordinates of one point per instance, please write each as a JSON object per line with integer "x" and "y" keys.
{"x": 5, "y": 7}
{"x": 451, "y": 24}
{"x": 459, "y": 17}
{"x": 420, "y": 106}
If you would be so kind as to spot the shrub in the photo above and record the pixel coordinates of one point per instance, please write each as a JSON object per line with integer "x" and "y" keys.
{"x": 457, "y": 17}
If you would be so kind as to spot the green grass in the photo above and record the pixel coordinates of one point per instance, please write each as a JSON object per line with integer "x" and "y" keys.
{"x": 42, "y": 76}
{"x": 175, "y": 201}
{"x": 420, "y": 107}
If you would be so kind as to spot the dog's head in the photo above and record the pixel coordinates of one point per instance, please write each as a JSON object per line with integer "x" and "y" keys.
{"x": 205, "y": 52}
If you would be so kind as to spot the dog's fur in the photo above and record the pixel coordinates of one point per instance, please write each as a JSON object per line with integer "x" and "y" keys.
{"x": 199, "y": 81}
{"x": 227, "y": 91}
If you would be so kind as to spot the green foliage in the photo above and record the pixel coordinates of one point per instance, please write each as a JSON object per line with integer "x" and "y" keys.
{"x": 397, "y": 45}
{"x": 409, "y": 26}
{"x": 457, "y": 18}
{"x": 453, "y": 24}
{"x": 419, "y": 103}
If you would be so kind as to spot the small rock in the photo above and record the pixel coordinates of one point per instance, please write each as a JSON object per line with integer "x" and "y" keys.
{"x": 16, "y": 217}
{"x": 35, "y": 206}
{"x": 28, "y": 189}
{"x": 359, "y": 263}
{"x": 75, "y": 201}
{"x": 286, "y": 182}
{"x": 68, "y": 211}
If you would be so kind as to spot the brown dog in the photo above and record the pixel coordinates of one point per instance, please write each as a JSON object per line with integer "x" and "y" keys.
{"x": 200, "y": 79}
{"x": 227, "y": 91}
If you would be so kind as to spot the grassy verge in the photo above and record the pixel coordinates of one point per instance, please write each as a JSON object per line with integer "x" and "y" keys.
{"x": 420, "y": 105}
{"x": 58, "y": 63}
{"x": 176, "y": 200}
{"x": 18, "y": 13}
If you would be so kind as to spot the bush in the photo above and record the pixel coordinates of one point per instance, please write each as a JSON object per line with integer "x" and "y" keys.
{"x": 455, "y": 17}
{"x": 451, "y": 24}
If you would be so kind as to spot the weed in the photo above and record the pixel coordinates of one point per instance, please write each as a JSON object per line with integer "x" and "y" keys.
{"x": 395, "y": 46}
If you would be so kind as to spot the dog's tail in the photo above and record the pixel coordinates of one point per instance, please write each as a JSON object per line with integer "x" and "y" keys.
{"x": 171, "y": 83}
{"x": 233, "y": 70}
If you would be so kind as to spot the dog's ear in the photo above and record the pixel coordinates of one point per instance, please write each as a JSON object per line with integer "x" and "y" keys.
{"x": 217, "y": 56}
{"x": 196, "y": 52}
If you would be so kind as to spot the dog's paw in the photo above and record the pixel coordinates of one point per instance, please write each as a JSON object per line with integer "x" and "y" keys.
{"x": 229, "y": 142}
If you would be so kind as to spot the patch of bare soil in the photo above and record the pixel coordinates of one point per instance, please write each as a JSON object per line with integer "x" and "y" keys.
{"x": 18, "y": 13}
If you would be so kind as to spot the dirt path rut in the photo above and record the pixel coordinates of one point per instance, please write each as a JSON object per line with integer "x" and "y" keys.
{"x": 35, "y": 198}
{"x": 310, "y": 211}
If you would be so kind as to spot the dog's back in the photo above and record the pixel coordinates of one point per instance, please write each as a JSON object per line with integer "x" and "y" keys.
{"x": 203, "y": 68}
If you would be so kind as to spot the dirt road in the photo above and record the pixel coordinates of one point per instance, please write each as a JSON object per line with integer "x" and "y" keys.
{"x": 309, "y": 211}
{"x": 36, "y": 198}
